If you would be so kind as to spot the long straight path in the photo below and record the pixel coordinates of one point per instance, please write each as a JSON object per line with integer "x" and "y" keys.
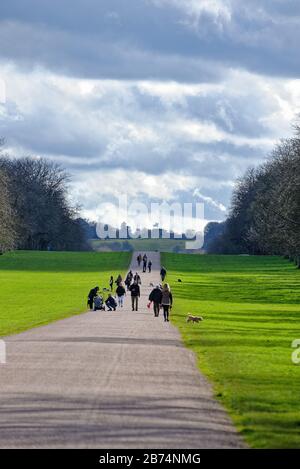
{"x": 108, "y": 380}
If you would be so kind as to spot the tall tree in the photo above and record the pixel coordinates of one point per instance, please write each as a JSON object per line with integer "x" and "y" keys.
{"x": 39, "y": 198}
{"x": 7, "y": 228}
{"x": 265, "y": 210}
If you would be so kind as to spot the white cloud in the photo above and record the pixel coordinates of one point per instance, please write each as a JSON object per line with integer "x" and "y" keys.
{"x": 219, "y": 9}
{"x": 150, "y": 139}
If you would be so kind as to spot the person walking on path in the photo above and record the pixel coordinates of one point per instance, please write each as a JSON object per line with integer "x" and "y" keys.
{"x": 166, "y": 301}
{"x": 137, "y": 279}
{"x": 149, "y": 266}
{"x": 145, "y": 259}
{"x": 139, "y": 260}
{"x": 121, "y": 292}
{"x": 111, "y": 283}
{"x": 135, "y": 295}
{"x": 129, "y": 279}
{"x": 119, "y": 280}
{"x": 93, "y": 292}
{"x": 111, "y": 303}
{"x": 163, "y": 273}
{"x": 156, "y": 298}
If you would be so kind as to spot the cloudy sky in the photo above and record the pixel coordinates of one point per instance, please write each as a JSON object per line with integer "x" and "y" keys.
{"x": 161, "y": 99}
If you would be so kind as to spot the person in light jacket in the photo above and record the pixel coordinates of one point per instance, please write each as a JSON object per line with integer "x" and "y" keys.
{"x": 166, "y": 301}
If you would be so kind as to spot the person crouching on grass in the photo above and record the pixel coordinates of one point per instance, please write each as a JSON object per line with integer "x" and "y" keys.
{"x": 121, "y": 292}
{"x": 111, "y": 303}
{"x": 98, "y": 303}
{"x": 166, "y": 301}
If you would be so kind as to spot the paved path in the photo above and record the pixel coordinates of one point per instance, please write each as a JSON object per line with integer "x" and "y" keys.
{"x": 108, "y": 380}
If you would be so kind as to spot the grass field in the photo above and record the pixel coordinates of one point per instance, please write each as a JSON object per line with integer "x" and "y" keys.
{"x": 40, "y": 287}
{"x": 252, "y": 315}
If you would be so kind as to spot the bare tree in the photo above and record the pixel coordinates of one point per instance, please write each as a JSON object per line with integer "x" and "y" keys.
{"x": 39, "y": 196}
{"x": 265, "y": 210}
{"x": 7, "y": 231}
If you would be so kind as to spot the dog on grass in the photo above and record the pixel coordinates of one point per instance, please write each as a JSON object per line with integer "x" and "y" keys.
{"x": 191, "y": 318}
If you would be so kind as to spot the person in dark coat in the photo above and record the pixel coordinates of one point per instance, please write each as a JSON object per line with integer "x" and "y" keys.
{"x": 137, "y": 279}
{"x": 156, "y": 297}
{"x": 119, "y": 280}
{"x": 111, "y": 303}
{"x": 91, "y": 296}
{"x": 139, "y": 260}
{"x": 149, "y": 266}
{"x": 129, "y": 279}
{"x": 163, "y": 273}
{"x": 135, "y": 295}
{"x": 145, "y": 259}
{"x": 111, "y": 283}
{"x": 121, "y": 292}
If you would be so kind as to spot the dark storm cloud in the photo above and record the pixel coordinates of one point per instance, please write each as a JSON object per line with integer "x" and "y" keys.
{"x": 140, "y": 39}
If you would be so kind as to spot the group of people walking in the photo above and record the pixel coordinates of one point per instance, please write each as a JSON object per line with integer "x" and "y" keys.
{"x": 161, "y": 296}
{"x": 146, "y": 262}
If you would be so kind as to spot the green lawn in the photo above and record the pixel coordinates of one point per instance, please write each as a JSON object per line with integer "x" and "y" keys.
{"x": 252, "y": 315}
{"x": 39, "y": 287}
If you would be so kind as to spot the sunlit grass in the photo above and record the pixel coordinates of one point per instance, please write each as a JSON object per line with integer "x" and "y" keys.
{"x": 40, "y": 287}
{"x": 252, "y": 315}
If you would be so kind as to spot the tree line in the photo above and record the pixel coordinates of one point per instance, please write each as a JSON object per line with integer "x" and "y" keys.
{"x": 35, "y": 212}
{"x": 264, "y": 216}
